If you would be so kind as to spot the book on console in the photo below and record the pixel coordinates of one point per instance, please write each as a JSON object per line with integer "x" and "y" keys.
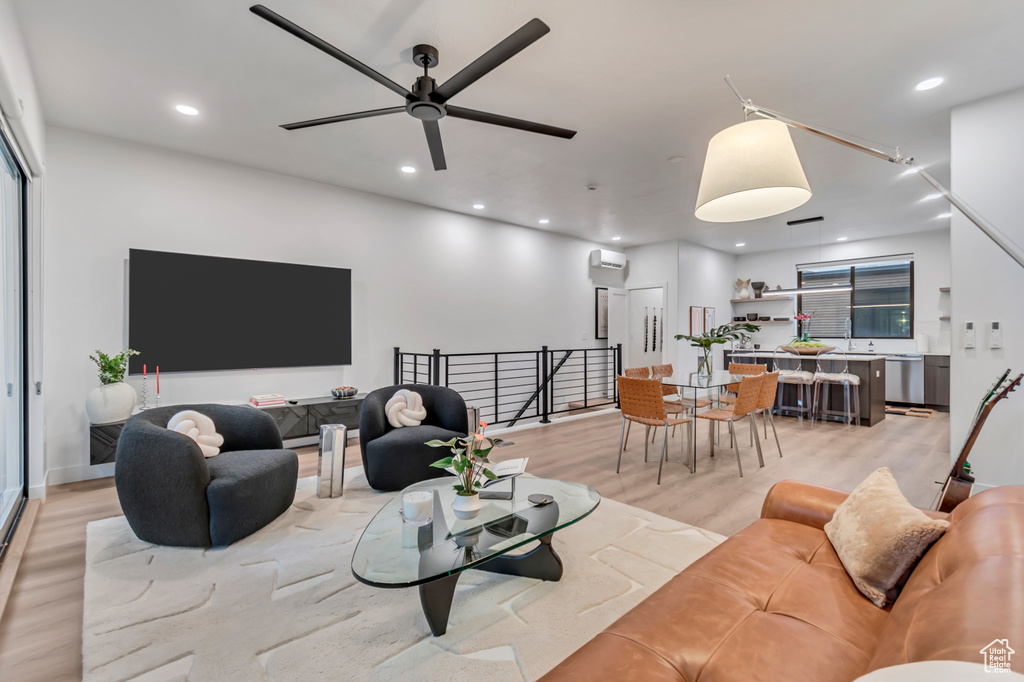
{"x": 510, "y": 468}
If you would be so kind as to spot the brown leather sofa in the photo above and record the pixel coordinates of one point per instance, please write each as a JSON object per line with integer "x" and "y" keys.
{"x": 774, "y": 603}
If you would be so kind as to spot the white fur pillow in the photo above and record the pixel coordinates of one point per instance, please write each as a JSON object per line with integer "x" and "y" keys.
{"x": 878, "y": 535}
{"x": 199, "y": 428}
{"x": 405, "y": 409}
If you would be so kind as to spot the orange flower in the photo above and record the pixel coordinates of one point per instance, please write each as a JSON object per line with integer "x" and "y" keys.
{"x": 483, "y": 423}
{"x": 478, "y": 436}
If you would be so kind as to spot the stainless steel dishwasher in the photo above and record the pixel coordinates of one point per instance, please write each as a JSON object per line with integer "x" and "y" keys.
{"x": 904, "y": 379}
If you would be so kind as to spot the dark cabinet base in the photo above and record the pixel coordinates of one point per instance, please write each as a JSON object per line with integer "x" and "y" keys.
{"x": 299, "y": 420}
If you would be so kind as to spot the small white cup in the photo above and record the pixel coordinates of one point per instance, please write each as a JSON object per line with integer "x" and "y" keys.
{"x": 418, "y": 507}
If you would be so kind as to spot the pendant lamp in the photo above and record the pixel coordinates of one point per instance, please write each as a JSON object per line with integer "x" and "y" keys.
{"x": 751, "y": 171}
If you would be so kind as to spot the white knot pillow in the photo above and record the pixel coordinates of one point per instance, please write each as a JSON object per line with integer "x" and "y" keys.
{"x": 199, "y": 428}
{"x": 405, "y": 409}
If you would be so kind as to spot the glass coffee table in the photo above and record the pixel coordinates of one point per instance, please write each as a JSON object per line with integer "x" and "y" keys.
{"x": 391, "y": 553}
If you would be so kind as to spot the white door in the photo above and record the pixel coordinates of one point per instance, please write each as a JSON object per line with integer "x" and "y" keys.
{"x": 645, "y": 330}
{"x": 12, "y": 475}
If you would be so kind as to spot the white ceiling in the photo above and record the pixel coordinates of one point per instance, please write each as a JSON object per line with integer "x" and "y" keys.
{"x": 641, "y": 81}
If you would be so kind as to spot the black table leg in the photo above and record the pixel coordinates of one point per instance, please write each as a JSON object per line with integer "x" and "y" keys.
{"x": 436, "y": 600}
{"x": 542, "y": 563}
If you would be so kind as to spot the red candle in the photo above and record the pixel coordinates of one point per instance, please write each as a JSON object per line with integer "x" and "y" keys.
{"x": 143, "y": 370}
{"x": 158, "y": 379}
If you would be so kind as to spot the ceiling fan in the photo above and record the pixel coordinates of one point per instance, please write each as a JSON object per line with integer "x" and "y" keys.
{"x": 427, "y": 101}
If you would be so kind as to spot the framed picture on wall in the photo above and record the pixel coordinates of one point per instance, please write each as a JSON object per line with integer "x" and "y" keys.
{"x": 601, "y": 313}
{"x": 709, "y": 319}
{"x": 696, "y": 320}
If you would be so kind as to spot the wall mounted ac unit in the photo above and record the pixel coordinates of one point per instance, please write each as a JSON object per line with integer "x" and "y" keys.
{"x": 607, "y": 259}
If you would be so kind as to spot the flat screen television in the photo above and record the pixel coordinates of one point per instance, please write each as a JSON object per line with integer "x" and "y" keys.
{"x": 189, "y": 313}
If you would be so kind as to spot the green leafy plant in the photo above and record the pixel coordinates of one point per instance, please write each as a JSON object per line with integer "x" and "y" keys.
{"x": 734, "y": 331}
{"x": 112, "y": 367}
{"x": 469, "y": 459}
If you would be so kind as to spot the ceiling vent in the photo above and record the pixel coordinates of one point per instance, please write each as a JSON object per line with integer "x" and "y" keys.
{"x": 601, "y": 258}
{"x": 804, "y": 221}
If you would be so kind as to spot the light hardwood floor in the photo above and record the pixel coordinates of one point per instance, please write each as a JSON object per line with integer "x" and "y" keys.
{"x": 41, "y": 630}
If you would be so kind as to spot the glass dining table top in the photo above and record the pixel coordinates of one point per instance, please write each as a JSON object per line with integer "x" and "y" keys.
{"x": 693, "y": 380}
{"x": 392, "y": 553}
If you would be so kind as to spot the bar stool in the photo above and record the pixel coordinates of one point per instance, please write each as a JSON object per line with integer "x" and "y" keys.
{"x": 794, "y": 376}
{"x": 829, "y": 379}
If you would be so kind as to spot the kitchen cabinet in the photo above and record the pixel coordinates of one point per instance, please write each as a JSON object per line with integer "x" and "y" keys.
{"x": 936, "y": 381}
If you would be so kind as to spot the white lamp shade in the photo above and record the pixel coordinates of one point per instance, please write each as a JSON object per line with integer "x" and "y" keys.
{"x": 751, "y": 171}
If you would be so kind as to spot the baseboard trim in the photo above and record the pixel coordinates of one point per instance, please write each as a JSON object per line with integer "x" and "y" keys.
{"x": 81, "y": 472}
{"x": 15, "y": 552}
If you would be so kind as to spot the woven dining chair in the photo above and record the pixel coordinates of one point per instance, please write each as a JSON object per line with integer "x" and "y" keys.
{"x": 766, "y": 402}
{"x": 641, "y": 401}
{"x": 637, "y": 372}
{"x": 739, "y": 368}
{"x": 662, "y": 371}
{"x": 746, "y": 404}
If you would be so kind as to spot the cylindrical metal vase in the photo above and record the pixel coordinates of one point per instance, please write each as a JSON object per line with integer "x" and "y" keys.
{"x": 330, "y": 471}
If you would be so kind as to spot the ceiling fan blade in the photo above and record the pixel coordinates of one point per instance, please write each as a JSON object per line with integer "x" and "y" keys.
{"x": 433, "y": 132}
{"x": 508, "y": 122}
{"x": 302, "y": 34}
{"x": 341, "y": 117}
{"x": 532, "y": 31}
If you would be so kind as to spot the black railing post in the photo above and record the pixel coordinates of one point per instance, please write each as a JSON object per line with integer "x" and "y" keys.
{"x": 543, "y": 385}
{"x": 584, "y": 377}
{"x": 398, "y": 366}
{"x": 618, "y": 372}
{"x": 437, "y": 367}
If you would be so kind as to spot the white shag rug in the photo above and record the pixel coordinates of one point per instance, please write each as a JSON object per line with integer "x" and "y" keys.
{"x": 282, "y": 604}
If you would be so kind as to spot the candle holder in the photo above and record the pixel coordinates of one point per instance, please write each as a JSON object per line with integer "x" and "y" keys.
{"x": 145, "y": 394}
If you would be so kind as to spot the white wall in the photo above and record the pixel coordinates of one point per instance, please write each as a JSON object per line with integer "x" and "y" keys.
{"x": 987, "y": 156}
{"x": 18, "y": 97}
{"x": 422, "y": 278}
{"x": 656, "y": 265}
{"x": 931, "y": 270}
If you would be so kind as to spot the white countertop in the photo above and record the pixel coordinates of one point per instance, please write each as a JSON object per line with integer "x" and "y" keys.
{"x": 855, "y": 355}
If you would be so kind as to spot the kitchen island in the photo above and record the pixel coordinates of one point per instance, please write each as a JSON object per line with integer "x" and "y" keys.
{"x": 870, "y": 367}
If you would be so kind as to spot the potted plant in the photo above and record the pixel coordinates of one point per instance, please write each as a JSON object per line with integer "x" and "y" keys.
{"x": 733, "y": 331}
{"x": 469, "y": 463}
{"x": 113, "y": 400}
{"x": 804, "y": 343}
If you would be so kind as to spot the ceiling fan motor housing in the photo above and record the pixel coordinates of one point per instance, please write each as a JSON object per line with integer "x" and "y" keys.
{"x": 421, "y": 106}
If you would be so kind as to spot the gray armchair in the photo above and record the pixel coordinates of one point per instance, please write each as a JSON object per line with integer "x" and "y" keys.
{"x": 394, "y": 459}
{"x": 172, "y": 495}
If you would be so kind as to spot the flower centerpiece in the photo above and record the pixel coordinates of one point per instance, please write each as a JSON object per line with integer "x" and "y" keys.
{"x": 469, "y": 463}
{"x": 733, "y": 331}
{"x": 804, "y": 343}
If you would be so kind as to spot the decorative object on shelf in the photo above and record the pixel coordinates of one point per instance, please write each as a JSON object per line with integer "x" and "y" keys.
{"x": 601, "y": 313}
{"x": 739, "y": 319}
{"x": 654, "y": 334}
{"x": 405, "y": 408}
{"x": 781, "y": 319}
{"x": 113, "y": 400}
{"x": 742, "y": 288}
{"x": 696, "y": 320}
{"x": 344, "y": 391}
{"x": 707, "y": 340}
{"x": 752, "y": 317}
{"x": 758, "y": 288}
{"x": 709, "y": 319}
{"x": 469, "y": 462}
{"x": 645, "y": 329}
{"x": 765, "y": 318}
{"x": 778, "y": 287}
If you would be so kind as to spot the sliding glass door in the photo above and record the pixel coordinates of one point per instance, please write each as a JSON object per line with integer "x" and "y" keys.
{"x": 12, "y": 348}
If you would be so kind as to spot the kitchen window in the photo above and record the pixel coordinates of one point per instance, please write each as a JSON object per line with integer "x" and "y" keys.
{"x": 879, "y": 306}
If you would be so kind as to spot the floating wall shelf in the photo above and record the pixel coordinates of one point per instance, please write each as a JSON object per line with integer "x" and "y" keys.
{"x": 765, "y": 299}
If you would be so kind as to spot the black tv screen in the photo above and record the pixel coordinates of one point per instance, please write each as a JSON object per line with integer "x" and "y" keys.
{"x": 190, "y": 313}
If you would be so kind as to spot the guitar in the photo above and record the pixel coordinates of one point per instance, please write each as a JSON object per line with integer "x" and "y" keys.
{"x": 959, "y": 483}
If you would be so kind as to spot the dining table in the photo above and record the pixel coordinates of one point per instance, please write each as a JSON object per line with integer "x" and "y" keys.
{"x": 696, "y": 382}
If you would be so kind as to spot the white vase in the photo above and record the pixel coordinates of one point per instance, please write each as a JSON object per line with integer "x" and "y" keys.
{"x": 467, "y": 506}
{"x": 110, "y": 403}
{"x": 745, "y": 292}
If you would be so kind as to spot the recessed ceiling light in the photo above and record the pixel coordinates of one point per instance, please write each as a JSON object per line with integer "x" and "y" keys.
{"x": 929, "y": 83}
{"x": 944, "y": 215}
{"x": 676, "y": 159}
{"x": 408, "y": 169}
{"x": 543, "y": 221}
{"x": 478, "y": 207}
{"x": 187, "y": 110}
{"x": 741, "y": 244}
{"x": 842, "y": 239}
{"x": 615, "y": 239}
{"x": 931, "y": 196}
